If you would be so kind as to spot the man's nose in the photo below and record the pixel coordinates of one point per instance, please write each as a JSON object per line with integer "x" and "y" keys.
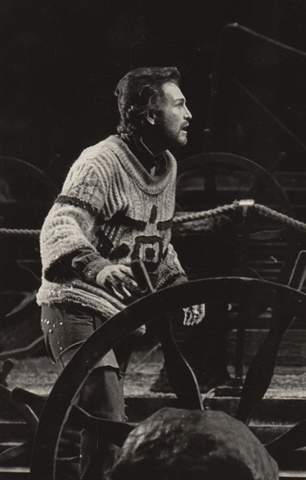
{"x": 187, "y": 115}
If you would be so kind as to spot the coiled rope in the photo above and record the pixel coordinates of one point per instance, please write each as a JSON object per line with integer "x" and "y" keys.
{"x": 191, "y": 217}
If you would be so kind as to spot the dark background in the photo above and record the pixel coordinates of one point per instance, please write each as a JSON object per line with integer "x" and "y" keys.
{"x": 60, "y": 62}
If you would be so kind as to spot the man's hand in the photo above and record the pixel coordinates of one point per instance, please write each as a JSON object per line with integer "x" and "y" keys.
{"x": 194, "y": 315}
{"x": 119, "y": 281}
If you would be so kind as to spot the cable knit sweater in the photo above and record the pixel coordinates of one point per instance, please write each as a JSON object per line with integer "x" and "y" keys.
{"x": 112, "y": 206}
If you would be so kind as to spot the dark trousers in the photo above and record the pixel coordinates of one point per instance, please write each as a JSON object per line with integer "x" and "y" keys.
{"x": 84, "y": 453}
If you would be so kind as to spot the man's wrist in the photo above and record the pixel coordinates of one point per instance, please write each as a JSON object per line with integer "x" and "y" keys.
{"x": 92, "y": 270}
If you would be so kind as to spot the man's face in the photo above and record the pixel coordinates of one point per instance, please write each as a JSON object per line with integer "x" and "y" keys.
{"x": 173, "y": 117}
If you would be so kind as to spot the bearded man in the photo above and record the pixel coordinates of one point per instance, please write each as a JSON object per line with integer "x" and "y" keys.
{"x": 116, "y": 206}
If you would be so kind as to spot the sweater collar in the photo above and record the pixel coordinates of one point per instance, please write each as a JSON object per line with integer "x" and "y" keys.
{"x": 148, "y": 183}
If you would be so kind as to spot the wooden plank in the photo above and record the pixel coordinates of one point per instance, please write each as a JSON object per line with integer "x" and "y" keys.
{"x": 266, "y": 433}
{"x": 24, "y": 474}
{"x": 292, "y": 350}
{"x": 286, "y": 474}
{"x": 14, "y": 473}
{"x": 5, "y": 445}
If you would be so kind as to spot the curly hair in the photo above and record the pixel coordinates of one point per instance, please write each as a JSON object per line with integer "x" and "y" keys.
{"x": 140, "y": 91}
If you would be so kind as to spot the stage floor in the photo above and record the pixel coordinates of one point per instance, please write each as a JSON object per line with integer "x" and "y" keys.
{"x": 39, "y": 374}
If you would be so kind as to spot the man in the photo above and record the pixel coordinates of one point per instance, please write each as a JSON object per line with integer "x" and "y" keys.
{"x": 116, "y": 206}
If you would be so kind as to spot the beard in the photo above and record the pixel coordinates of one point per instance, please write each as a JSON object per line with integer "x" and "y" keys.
{"x": 170, "y": 136}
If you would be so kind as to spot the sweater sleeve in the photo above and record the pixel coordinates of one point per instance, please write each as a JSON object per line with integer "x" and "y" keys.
{"x": 170, "y": 271}
{"x": 83, "y": 264}
{"x": 70, "y": 224}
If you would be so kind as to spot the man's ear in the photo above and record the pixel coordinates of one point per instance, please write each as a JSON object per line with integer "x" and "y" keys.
{"x": 151, "y": 116}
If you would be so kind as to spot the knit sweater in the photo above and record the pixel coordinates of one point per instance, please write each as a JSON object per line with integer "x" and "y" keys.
{"x": 113, "y": 207}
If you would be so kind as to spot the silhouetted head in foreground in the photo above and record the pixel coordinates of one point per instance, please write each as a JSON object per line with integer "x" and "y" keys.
{"x": 178, "y": 444}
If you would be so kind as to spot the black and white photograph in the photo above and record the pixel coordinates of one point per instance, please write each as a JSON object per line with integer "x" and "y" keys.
{"x": 153, "y": 240}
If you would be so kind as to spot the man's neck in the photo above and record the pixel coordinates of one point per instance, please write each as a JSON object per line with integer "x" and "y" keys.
{"x": 152, "y": 145}
{"x": 152, "y": 162}
{"x": 149, "y": 150}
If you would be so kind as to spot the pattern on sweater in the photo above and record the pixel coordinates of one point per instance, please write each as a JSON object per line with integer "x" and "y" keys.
{"x": 112, "y": 205}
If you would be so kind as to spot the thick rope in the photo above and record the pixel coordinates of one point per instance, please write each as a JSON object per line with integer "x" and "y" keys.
{"x": 214, "y": 212}
{"x": 192, "y": 217}
{"x": 290, "y": 222}
{"x": 242, "y": 205}
{"x": 19, "y": 232}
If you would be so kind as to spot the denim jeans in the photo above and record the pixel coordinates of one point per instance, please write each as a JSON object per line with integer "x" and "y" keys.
{"x": 65, "y": 328}
{"x": 82, "y": 453}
